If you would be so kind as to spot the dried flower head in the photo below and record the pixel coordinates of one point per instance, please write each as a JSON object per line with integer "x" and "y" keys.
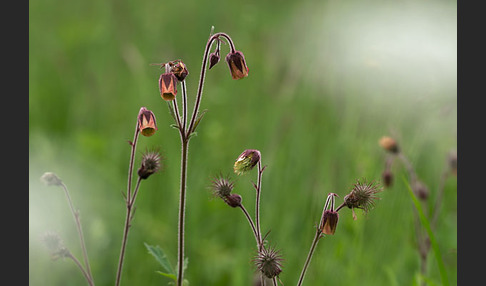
{"x": 51, "y": 179}
{"x": 233, "y": 200}
{"x": 168, "y": 86}
{"x": 389, "y": 144}
{"x": 362, "y": 196}
{"x": 54, "y": 244}
{"x": 222, "y": 186}
{"x": 246, "y": 161}
{"x": 146, "y": 122}
{"x": 179, "y": 69}
{"x": 150, "y": 164}
{"x": 237, "y": 65}
{"x": 268, "y": 261}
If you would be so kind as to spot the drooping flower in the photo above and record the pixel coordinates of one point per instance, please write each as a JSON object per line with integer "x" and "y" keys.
{"x": 146, "y": 122}
{"x": 237, "y": 65}
{"x": 168, "y": 86}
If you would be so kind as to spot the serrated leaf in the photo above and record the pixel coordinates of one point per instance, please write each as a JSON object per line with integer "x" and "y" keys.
{"x": 171, "y": 276}
{"x": 160, "y": 256}
{"x": 196, "y": 123}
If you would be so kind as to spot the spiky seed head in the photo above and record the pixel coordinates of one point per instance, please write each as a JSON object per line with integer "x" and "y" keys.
{"x": 54, "y": 244}
{"x": 151, "y": 163}
{"x": 268, "y": 261}
{"x": 246, "y": 161}
{"x": 51, "y": 179}
{"x": 362, "y": 196}
{"x": 222, "y": 186}
{"x": 389, "y": 144}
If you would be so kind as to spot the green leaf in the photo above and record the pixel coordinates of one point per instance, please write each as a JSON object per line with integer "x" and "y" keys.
{"x": 171, "y": 276}
{"x": 196, "y": 123}
{"x": 433, "y": 241}
{"x": 160, "y": 256}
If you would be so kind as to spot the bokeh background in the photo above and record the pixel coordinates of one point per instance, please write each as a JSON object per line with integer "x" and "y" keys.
{"x": 327, "y": 79}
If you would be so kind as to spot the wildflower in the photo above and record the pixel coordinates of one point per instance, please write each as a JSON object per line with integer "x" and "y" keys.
{"x": 51, "y": 179}
{"x": 246, "y": 161}
{"x": 387, "y": 177}
{"x": 146, "y": 122}
{"x": 362, "y": 196}
{"x": 420, "y": 190}
{"x": 150, "y": 164}
{"x": 268, "y": 262}
{"x": 54, "y": 244}
{"x": 389, "y": 144}
{"x": 168, "y": 86}
{"x": 237, "y": 65}
{"x": 329, "y": 217}
{"x": 213, "y": 59}
{"x": 179, "y": 69}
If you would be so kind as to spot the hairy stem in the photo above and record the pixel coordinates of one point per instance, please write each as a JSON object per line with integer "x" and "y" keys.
{"x": 309, "y": 256}
{"x": 251, "y": 224}
{"x": 80, "y": 231}
{"x": 182, "y": 206}
{"x": 128, "y": 219}
{"x": 86, "y": 275}
{"x": 257, "y": 206}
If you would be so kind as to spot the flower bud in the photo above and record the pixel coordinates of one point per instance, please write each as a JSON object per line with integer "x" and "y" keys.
{"x": 387, "y": 177}
{"x": 246, "y": 161}
{"x": 51, "y": 179}
{"x": 389, "y": 144}
{"x": 179, "y": 70}
{"x": 168, "y": 86}
{"x": 237, "y": 65}
{"x": 150, "y": 164}
{"x": 420, "y": 190}
{"x": 146, "y": 122}
{"x": 213, "y": 59}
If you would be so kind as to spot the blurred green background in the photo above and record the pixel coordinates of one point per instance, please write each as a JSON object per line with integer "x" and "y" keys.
{"x": 327, "y": 79}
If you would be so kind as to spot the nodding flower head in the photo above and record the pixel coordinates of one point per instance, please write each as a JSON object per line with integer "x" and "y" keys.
{"x": 179, "y": 69}
{"x": 268, "y": 262}
{"x": 362, "y": 196}
{"x": 213, "y": 59}
{"x": 54, "y": 244}
{"x": 389, "y": 144}
{"x": 146, "y": 122}
{"x": 168, "y": 86}
{"x": 246, "y": 161}
{"x": 237, "y": 65}
{"x": 150, "y": 164}
{"x": 420, "y": 190}
{"x": 51, "y": 179}
{"x": 387, "y": 177}
{"x": 330, "y": 217}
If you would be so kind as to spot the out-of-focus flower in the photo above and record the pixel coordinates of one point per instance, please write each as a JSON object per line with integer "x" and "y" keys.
{"x": 389, "y": 144}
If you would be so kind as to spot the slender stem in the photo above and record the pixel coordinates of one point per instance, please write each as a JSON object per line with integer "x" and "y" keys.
{"x": 251, "y": 224}
{"x": 184, "y": 107}
{"x": 257, "y": 207}
{"x": 203, "y": 74}
{"x": 80, "y": 230}
{"x": 86, "y": 275}
{"x": 274, "y": 280}
{"x": 178, "y": 118}
{"x": 182, "y": 206}
{"x": 440, "y": 194}
{"x": 409, "y": 167}
{"x": 309, "y": 256}
{"x": 128, "y": 219}
{"x": 132, "y": 159}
